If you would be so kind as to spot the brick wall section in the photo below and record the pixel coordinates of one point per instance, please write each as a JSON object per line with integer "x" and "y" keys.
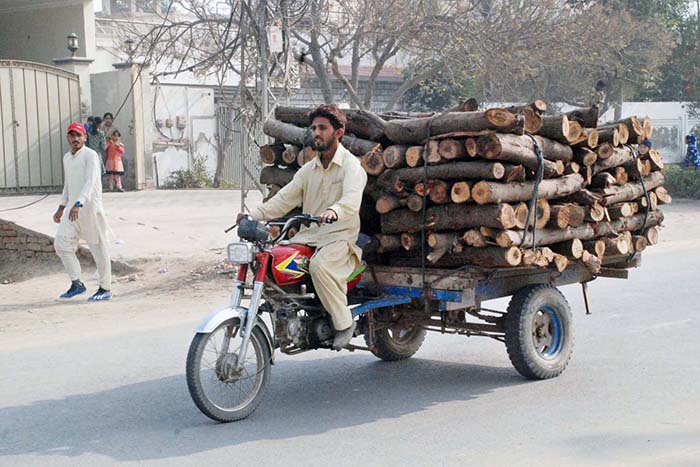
{"x": 25, "y": 242}
{"x": 21, "y": 242}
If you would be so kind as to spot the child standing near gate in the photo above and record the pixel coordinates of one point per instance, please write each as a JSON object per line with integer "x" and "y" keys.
{"x": 115, "y": 166}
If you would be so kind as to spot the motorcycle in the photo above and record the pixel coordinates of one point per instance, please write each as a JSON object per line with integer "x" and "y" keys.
{"x": 230, "y": 357}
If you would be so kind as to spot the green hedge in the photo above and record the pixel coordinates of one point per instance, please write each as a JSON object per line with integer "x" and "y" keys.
{"x": 682, "y": 183}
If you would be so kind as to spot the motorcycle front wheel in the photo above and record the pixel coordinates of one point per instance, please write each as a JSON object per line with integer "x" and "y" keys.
{"x": 222, "y": 392}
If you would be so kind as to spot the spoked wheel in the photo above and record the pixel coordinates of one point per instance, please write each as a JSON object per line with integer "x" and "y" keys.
{"x": 539, "y": 332}
{"x": 220, "y": 390}
{"x": 397, "y": 342}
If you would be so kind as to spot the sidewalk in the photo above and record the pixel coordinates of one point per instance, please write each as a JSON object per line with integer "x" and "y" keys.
{"x": 150, "y": 225}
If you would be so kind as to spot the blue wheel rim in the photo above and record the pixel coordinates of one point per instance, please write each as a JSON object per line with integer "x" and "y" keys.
{"x": 549, "y": 318}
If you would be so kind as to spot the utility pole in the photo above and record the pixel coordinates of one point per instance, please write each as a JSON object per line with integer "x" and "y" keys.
{"x": 264, "y": 59}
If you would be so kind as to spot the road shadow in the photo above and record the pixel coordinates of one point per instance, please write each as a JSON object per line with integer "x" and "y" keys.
{"x": 156, "y": 419}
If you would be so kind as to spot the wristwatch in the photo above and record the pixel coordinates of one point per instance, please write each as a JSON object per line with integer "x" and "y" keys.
{"x": 78, "y": 204}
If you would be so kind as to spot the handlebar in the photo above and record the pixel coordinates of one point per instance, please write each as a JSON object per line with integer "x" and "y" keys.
{"x": 299, "y": 219}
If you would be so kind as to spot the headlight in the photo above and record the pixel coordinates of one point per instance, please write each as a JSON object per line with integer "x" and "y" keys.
{"x": 241, "y": 253}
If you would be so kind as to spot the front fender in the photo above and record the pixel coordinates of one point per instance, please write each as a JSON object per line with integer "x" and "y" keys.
{"x": 216, "y": 318}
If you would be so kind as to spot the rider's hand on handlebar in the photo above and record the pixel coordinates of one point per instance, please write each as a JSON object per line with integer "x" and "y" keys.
{"x": 241, "y": 215}
{"x": 329, "y": 216}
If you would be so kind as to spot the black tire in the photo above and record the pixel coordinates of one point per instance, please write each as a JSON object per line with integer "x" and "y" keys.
{"x": 539, "y": 332}
{"x": 258, "y": 345}
{"x": 397, "y": 344}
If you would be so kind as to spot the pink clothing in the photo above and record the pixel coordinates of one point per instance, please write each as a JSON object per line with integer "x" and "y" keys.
{"x": 114, "y": 158}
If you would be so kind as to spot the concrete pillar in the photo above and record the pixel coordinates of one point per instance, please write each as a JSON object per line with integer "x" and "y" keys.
{"x": 81, "y": 67}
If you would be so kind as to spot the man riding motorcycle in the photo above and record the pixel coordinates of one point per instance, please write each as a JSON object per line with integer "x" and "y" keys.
{"x": 331, "y": 187}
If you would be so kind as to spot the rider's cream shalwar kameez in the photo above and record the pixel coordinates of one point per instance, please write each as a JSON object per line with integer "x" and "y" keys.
{"x": 340, "y": 188}
{"x": 83, "y": 183}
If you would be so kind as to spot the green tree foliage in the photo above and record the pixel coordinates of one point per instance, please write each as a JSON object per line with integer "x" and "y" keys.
{"x": 436, "y": 93}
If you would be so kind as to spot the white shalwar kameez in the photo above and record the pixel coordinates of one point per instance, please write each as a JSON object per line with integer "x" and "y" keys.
{"x": 83, "y": 183}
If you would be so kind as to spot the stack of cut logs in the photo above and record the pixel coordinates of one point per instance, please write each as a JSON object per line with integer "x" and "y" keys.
{"x": 459, "y": 186}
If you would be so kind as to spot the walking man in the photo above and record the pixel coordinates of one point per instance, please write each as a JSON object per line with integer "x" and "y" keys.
{"x": 331, "y": 187}
{"x": 82, "y": 194}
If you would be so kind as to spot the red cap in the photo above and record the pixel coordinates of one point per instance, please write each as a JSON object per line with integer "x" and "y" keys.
{"x": 77, "y": 127}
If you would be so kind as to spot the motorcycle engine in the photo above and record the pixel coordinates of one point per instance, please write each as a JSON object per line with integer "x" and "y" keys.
{"x": 295, "y": 328}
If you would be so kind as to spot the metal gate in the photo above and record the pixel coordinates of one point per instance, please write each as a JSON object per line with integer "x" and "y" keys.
{"x": 37, "y": 102}
{"x": 241, "y": 144}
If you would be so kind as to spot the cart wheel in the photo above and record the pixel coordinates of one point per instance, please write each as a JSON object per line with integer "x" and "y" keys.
{"x": 397, "y": 342}
{"x": 539, "y": 332}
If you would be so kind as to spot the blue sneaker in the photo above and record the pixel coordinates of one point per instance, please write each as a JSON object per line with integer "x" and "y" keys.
{"x": 101, "y": 294}
{"x": 76, "y": 288}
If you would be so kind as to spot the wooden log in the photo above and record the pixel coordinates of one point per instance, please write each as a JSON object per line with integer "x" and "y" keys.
{"x": 373, "y": 161}
{"x": 602, "y": 180}
{"x": 648, "y": 126}
{"x": 617, "y": 245}
{"x": 560, "y": 262}
{"x": 365, "y": 125}
{"x": 395, "y": 156}
{"x": 387, "y": 203}
{"x": 585, "y": 156}
{"x": 592, "y": 262}
{"x": 608, "y": 130}
{"x": 415, "y": 203}
{"x": 490, "y": 257}
{"x": 572, "y": 168}
{"x": 307, "y": 154}
{"x": 440, "y": 192}
{"x": 290, "y": 155}
{"x": 635, "y": 129}
{"x": 388, "y": 243}
{"x": 587, "y": 117}
{"x": 588, "y": 139}
{"x": 604, "y": 150}
{"x": 468, "y": 105}
{"x": 662, "y": 196}
{"x": 472, "y": 147}
{"x": 535, "y": 258}
{"x": 520, "y": 150}
{"x": 273, "y": 175}
{"x": 621, "y": 176}
{"x": 609, "y": 135}
{"x": 410, "y": 241}
{"x": 619, "y": 157}
{"x": 619, "y": 210}
{"x": 521, "y": 209}
{"x": 414, "y": 156}
{"x": 433, "y": 152}
{"x": 485, "y": 192}
{"x": 613, "y": 195}
{"x": 474, "y": 237}
{"x": 635, "y": 168}
{"x": 449, "y": 217}
{"x": 538, "y": 105}
{"x": 570, "y": 248}
{"x": 533, "y": 119}
{"x": 564, "y": 215}
{"x": 584, "y": 197}
{"x": 288, "y": 133}
{"x": 461, "y": 192}
{"x": 451, "y": 149}
{"x": 272, "y": 154}
{"x": 657, "y": 162}
{"x": 555, "y": 127}
{"x": 506, "y": 238}
{"x": 358, "y": 146}
{"x": 595, "y": 247}
{"x": 652, "y": 235}
{"x": 442, "y": 240}
{"x": 542, "y": 217}
{"x": 453, "y": 171}
{"x": 640, "y": 243}
{"x": 643, "y": 204}
{"x": 435, "y": 254}
{"x": 595, "y": 213}
{"x": 416, "y": 130}
{"x": 575, "y": 132}
{"x": 514, "y": 173}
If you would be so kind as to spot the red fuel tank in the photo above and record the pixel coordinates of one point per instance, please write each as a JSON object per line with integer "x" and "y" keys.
{"x": 290, "y": 263}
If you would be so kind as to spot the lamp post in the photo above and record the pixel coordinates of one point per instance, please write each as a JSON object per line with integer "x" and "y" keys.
{"x": 129, "y": 48}
{"x": 72, "y": 43}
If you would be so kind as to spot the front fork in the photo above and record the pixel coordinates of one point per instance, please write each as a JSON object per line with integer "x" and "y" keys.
{"x": 248, "y": 320}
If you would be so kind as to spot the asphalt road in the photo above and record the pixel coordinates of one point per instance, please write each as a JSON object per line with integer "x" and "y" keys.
{"x": 103, "y": 384}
